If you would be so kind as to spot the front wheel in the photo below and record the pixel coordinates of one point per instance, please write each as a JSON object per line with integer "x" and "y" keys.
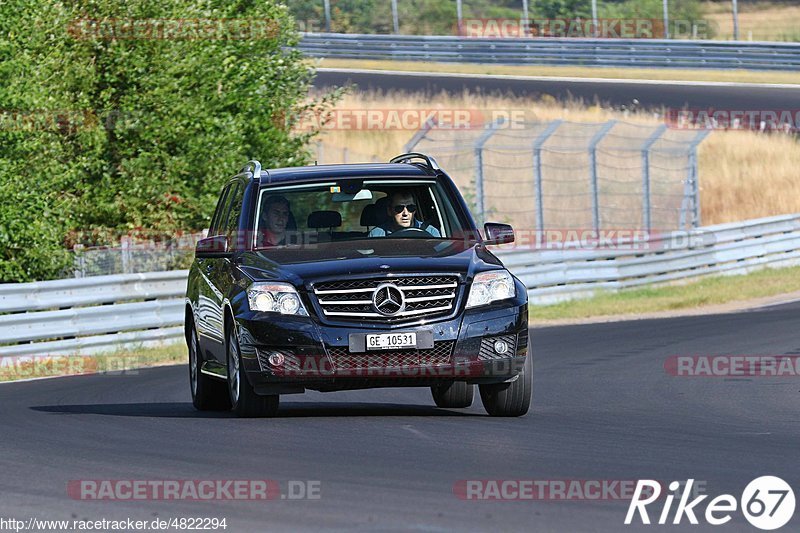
{"x": 510, "y": 399}
{"x": 453, "y": 395}
{"x": 244, "y": 400}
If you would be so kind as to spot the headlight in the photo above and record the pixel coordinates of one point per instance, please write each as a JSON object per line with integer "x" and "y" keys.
{"x": 488, "y": 287}
{"x": 275, "y": 298}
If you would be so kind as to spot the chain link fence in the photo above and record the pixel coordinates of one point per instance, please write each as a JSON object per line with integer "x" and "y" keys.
{"x": 134, "y": 256}
{"x": 568, "y": 175}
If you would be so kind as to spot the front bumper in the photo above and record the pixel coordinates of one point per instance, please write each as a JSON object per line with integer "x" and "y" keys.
{"x": 290, "y": 354}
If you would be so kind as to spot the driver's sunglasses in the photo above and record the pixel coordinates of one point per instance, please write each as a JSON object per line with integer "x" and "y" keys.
{"x": 399, "y": 208}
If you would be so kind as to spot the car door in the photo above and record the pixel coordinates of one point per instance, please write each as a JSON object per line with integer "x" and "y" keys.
{"x": 220, "y": 274}
{"x": 208, "y": 314}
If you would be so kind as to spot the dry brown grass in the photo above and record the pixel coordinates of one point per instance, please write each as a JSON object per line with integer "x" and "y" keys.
{"x": 730, "y": 75}
{"x": 743, "y": 174}
{"x": 762, "y": 21}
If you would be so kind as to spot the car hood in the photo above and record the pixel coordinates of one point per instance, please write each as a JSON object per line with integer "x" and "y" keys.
{"x": 338, "y": 260}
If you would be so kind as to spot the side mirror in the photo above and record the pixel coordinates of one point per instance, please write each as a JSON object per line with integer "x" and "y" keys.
{"x": 216, "y": 246}
{"x": 498, "y": 233}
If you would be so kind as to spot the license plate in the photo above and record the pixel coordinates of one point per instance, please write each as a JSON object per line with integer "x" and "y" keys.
{"x": 390, "y": 341}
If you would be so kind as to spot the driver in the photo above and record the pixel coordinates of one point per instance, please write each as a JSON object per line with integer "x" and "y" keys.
{"x": 275, "y": 221}
{"x": 401, "y": 209}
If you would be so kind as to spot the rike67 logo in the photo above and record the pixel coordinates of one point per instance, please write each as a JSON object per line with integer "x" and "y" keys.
{"x": 767, "y": 503}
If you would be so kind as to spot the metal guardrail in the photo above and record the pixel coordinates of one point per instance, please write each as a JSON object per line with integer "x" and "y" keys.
{"x": 90, "y": 315}
{"x": 103, "y": 313}
{"x": 557, "y": 275}
{"x": 557, "y": 51}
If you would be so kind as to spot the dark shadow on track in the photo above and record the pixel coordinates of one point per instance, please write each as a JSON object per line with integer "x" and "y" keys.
{"x": 290, "y": 410}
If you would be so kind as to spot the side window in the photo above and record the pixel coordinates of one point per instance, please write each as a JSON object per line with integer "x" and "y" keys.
{"x": 219, "y": 212}
{"x": 232, "y": 225}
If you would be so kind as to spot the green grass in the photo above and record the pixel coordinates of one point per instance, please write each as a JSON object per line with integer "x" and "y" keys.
{"x": 121, "y": 362}
{"x": 698, "y": 294}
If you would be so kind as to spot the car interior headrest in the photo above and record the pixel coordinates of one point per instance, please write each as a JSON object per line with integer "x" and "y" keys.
{"x": 324, "y": 219}
{"x": 369, "y": 215}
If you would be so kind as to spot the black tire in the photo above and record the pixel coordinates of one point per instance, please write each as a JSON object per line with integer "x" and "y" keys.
{"x": 244, "y": 400}
{"x": 208, "y": 394}
{"x": 457, "y": 394}
{"x": 510, "y": 399}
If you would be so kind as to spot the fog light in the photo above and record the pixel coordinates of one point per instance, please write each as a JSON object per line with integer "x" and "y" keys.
{"x": 276, "y": 359}
{"x": 500, "y": 347}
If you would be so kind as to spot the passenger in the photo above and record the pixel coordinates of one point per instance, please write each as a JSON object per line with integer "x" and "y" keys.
{"x": 401, "y": 210}
{"x": 275, "y": 220}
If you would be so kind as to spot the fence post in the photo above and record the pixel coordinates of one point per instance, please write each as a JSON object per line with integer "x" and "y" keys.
{"x": 419, "y": 135}
{"x": 479, "y": 144}
{"x": 593, "y": 172}
{"x": 126, "y": 256}
{"x": 79, "y": 261}
{"x": 538, "y": 142}
{"x": 646, "y": 174}
{"x": 395, "y": 18}
{"x": 695, "y": 179}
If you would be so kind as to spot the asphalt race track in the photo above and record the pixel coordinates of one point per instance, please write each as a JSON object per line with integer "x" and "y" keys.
{"x": 604, "y": 409}
{"x": 615, "y": 93}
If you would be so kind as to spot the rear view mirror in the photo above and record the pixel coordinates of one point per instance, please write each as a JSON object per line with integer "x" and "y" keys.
{"x": 216, "y": 246}
{"x": 363, "y": 194}
{"x": 498, "y": 233}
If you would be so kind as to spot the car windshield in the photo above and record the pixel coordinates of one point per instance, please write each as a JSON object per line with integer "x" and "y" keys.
{"x": 356, "y": 209}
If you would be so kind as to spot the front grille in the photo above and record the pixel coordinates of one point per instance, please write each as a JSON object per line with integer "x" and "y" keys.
{"x": 424, "y": 296}
{"x": 439, "y": 355}
{"x": 487, "y": 352}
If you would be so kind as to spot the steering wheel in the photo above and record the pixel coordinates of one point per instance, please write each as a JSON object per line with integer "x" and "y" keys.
{"x": 410, "y": 232}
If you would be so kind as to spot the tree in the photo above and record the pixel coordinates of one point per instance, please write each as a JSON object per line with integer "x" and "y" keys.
{"x": 109, "y": 126}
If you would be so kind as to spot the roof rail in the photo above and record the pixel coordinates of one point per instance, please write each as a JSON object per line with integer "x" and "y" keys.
{"x": 253, "y": 166}
{"x": 406, "y": 158}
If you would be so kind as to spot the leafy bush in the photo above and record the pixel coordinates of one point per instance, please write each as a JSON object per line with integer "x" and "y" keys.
{"x": 123, "y": 133}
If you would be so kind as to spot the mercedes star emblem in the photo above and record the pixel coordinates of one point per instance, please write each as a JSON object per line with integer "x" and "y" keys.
{"x": 388, "y": 299}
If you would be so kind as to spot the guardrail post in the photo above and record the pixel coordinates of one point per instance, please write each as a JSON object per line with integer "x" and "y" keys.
{"x": 593, "y": 171}
{"x": 479, "y": 144}
{"x": 646, "y": 174}
{"x": 538, "y": 142}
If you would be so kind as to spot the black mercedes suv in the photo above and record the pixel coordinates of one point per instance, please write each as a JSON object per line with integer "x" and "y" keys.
{"x": 342, "y": 277}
